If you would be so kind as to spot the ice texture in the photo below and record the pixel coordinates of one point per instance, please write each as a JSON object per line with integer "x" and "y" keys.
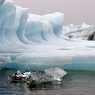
{"x": 56, "y": 73}
{"x": 26, "y": 37}
{"x": 79, "y": 32}
{"x": 20, "y": 27}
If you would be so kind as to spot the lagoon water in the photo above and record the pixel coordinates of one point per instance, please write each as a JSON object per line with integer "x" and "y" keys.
{"x": 75, "y": 83}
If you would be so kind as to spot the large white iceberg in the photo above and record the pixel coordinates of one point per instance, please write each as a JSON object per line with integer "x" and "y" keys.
{"x": 35, "y": 41}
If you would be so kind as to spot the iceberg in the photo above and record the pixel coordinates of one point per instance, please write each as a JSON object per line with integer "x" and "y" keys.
{"x": 32, "y": 41}
{"x": 79, "y": 32}
{"x": 56, "y": 73}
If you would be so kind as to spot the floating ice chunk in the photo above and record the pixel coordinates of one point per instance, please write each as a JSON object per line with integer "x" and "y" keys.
{"x": 79, "y": 32}
{"x": 56, "y": 73}
{"x": 27, "y": 74}
{"x": 84, "y": 25}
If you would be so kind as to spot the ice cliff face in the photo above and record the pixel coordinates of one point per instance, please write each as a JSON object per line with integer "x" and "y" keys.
{"x": 19, "y": 28}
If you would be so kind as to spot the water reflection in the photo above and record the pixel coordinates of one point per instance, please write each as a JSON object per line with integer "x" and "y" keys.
{"x": 75, "y": 83}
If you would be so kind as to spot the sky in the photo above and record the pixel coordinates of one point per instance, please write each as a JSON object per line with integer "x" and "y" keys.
{"x": 75, "y": 11}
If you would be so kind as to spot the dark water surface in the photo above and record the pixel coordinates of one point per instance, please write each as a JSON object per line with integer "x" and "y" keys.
{"x": 75, "y": 83}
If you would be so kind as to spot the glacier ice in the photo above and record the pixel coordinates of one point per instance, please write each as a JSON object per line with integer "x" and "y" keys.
{"x": 56, "y": 73}
{"x": 79, "y": 32}
{"x": 19, "y": 26}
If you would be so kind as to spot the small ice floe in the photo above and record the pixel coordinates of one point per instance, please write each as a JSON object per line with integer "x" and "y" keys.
{"x": 39, "y": 79}
{"x": 55, "y": 73}
{"x": 20, "y": 77}
{"x": 50, "y": 77}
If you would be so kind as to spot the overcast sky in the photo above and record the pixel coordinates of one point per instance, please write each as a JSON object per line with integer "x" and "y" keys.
{"x": 76, "y": 11}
